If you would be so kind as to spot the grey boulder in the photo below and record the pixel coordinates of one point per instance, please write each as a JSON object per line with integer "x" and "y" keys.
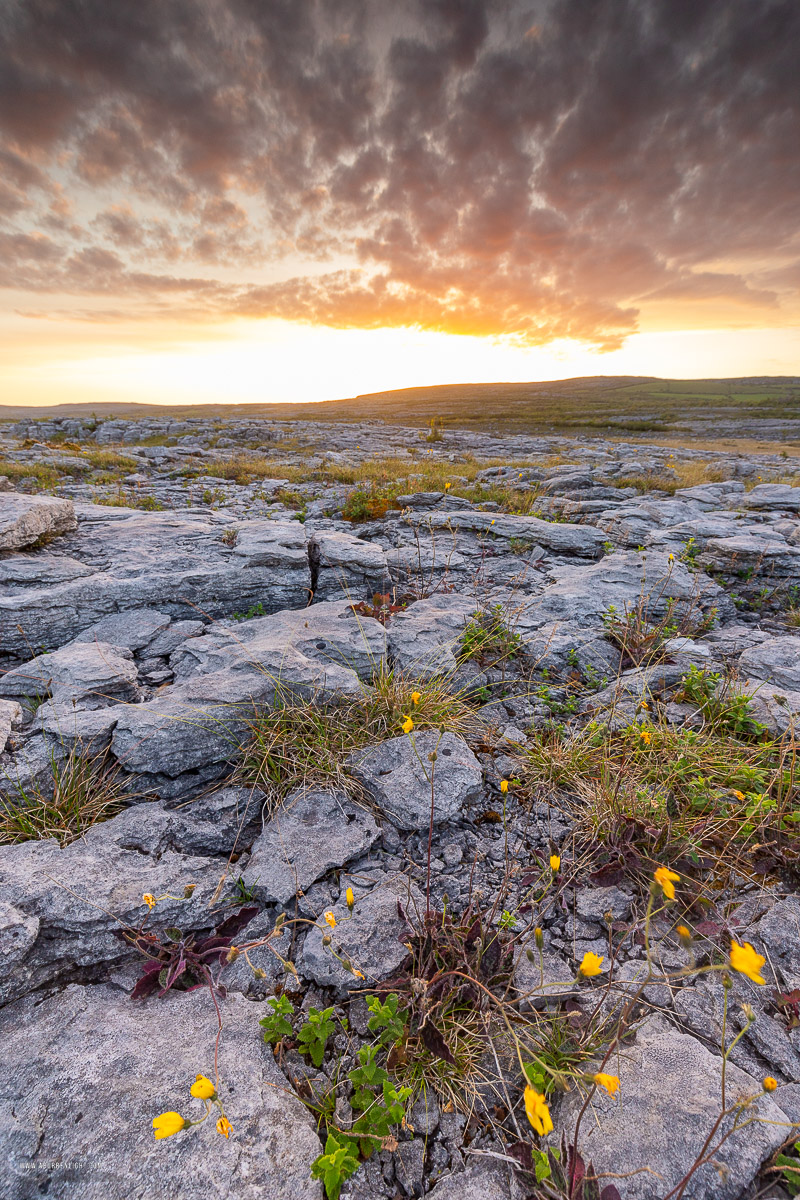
{"x": 84, "y": 895}
{"x": 399, "y": 776}
{"x": 779, "y": 930}
{"x": 10, "y": 718}
{"x": 94, "y": 673}
{"x": 369, "y": 938}
{"x": 343, "y": 565}
{"x": 776, "y": 660}
{"x": 24, "y": 519}
{"x": 561, "y": 538}
{"x": 313, "y": 832}
{"x": 424, "y": 640}
{"x": 481, "y": 1181}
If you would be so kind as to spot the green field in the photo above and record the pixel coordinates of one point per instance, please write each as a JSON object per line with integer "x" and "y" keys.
{"x": 600, "y": 405}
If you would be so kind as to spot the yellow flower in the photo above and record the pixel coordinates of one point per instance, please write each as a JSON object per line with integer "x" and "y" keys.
{"x": 646, "y": 736}
{"x": 591, "y": 964}
{"x": 747, "y": 961}
{"x": 408, "y": 725}
{"x": 358, "y": 974}
{"x": 683, "y": 933}
{"x": 349, "y": 897}
{"x": 537, "y": 1111}
{"x": 671, "y": 558}
{"x": 224, "y": 1127}
{"x": 504, "y": 786}
{"x": 149, "y": 900}
{"x": 666, "y": 880}
{"x": 492, "y": 521}
{"x": 203, "y": 1088}
{"x": 739, "y": 795}
{"x": 609, "y": 1082}
{"x": 330, "y": 918}
{"x": 645, "y": 706}
{"x": 447, "y": 487}
{"x": 555, "y": 863}
{"x": 168, "y": 1123}
{"x": 416, "y": 697}
{"x": 769, "y": 1084}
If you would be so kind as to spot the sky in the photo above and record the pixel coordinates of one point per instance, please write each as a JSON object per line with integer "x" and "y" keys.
{"x": 281, "y": 200}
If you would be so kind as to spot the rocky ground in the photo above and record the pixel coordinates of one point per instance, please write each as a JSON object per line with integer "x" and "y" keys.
{"x": 211, "y": 638}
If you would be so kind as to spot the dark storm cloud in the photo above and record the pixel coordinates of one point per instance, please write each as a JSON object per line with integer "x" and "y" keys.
{"x": 535, "y": 169}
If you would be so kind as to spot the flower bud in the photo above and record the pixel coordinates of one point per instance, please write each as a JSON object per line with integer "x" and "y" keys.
{"x": 187, "y": 891}
{"x": 232, "y": 955}
{"x": 538, "y": 936}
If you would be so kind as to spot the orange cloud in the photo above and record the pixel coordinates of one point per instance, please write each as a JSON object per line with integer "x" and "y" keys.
{"x": 457, "y": 169}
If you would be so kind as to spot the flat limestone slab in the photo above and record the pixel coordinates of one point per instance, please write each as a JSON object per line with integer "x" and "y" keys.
{"x": 77, "y": 1109}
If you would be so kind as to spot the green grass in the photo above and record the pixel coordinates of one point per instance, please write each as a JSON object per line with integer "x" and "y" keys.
{"x": 46, "y": 477}
{"x": 679, "y": 786}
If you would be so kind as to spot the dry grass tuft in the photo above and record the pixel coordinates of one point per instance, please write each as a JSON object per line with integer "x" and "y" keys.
{"x": 306, "y": 743}
{"x": 84, "y": 788}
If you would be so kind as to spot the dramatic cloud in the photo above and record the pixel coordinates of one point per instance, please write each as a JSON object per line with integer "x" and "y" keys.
{"x": 539, "y": 169}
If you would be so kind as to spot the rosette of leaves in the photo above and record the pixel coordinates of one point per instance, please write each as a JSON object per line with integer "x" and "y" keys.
{"x": 184, "y": 961}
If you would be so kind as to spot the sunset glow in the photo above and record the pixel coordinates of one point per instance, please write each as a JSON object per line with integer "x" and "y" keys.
{"x": 237, "y": 202}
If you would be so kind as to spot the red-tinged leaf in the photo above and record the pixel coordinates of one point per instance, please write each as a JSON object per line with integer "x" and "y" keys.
{"x": 174, "y": 973}
{"x": 152, "y": 966}
{"x": 473, "y": 933}
{"x": 521, "y": 1151}
{"x": 433, "y": 1041}
{"x": 211, "y": 945}
{"x": 792, "y": 997}
{"x": 576, "y": 1167}
{"x": 708, "y": 928}
{"x": 236, "y": 922}
{"x": 145, "y": 986}
{"x": 609, "y": 1192}
{"x": 610, "y": 875}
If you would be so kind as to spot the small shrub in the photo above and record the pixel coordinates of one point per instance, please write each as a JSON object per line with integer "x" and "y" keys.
{"x": 314, "y": 1034}
{"x": 488, "y": 638}
{"x": 722, "y": 707}
{"x": 436, "y": 430}
{"x": 641, "y": 639}
{"x": 255, "y": 610}
{"x": 368, "y": 503}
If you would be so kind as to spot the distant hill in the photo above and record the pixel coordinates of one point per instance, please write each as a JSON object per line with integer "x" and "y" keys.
{"x": 609, "y": 404}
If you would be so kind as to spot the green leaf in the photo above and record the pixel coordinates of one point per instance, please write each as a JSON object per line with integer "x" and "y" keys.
{"x": 336, "y": 1165}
